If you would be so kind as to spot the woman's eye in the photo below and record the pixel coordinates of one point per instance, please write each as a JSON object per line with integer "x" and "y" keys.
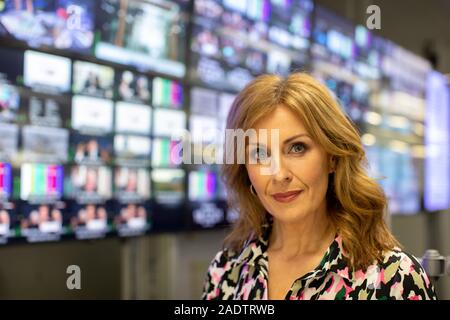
{"x": 259, "y": 154}
{"x": 298, "y": 148}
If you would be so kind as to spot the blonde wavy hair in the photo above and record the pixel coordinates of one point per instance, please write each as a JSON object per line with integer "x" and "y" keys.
{"x": 356, "y": 203}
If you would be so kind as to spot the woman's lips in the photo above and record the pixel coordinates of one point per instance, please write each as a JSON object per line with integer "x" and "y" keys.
{"x": 286, "y": 196}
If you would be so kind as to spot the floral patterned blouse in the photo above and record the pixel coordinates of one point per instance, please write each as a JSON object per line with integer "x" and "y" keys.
{"x": 244, "y": 276}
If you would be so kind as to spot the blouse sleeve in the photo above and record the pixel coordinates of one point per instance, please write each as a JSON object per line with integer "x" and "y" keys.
{"x": 213, "y": 279}
{"x": 412, "y": 282}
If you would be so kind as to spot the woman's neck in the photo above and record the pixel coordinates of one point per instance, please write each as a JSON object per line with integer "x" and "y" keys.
{"x": 311, "y": 235}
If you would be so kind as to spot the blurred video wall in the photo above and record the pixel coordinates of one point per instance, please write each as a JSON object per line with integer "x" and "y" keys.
{"x": 93, "y": 92}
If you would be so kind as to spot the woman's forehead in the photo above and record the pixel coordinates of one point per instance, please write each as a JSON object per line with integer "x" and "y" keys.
{"x": 282, "y": 118}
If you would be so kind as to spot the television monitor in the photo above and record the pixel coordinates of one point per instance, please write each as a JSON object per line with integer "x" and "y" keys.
{"x": 208, "y": 8}
{"x": 208, "y": 214}
{"x": 236, "y": 5}
{"x": 90, "y": 221}
{"x": 202, "y": 185}
{"x": 280, "y": 36}
{"x": 205, "y": 42}
{"x": 437, "y": 143}
{"x": 63, "y": 24}
{"x": 123, "y": 35}
{"x": 41, "y": 183}
{"x": 42, "y": 222}
{"x": 168, "y": 185}
{"x": 408, "y": 185}
{"x": 132, "y": 219}
{"x": 46, "y": 110}
{"x": 234, "y": 50}
{"x": 301, "y": 25}
{"x": 256, "y": 61}
{"x": 166, "y": 153}
{"x": 258, "y": 10}
{"x": 363, "y": 37}
{"x": 9, "y": 102}
{"x": 278, "y": 62}
{"x": 5, "y": 181}
{"x": 133, "y": 118}
{"x": 167, "y": 93}
{"x": 7, "y": 221}
{"x": 89, "y": 184}
{"x": 11, "y": 66}
{"x": 203, "y": 129}
{"x": 237, "y": 78}
{"x": 258, "y": 32}
{"x": 168, "y": 122}
{"x": 204, "y": 101}
{"x": 131, "y": 149}
{"x": 90, "y": 150}
{"x": 132, "y": 184}
{"x": 92, "y": 114}
{"x": 234, "y": 22}
{"x": 9, "y": 141}
{"x": 225, "y": 102}
{"x": 45, "y": 144}
{"x": 340, "y": 44}
{"x": 93, "y": 79}
{"x": 133, "y": 87}
{"x": 47, "y": 72}
{"x": 209, "y": 72}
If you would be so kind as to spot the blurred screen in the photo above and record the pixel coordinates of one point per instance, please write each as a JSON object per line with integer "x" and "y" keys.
{"x": 89, "y": 184}
{"x": 45, "y": 144}
{"x": 133, "y": 118}
{"x": 132, "y": 220}
{"x": 42, "y": 220}
{"x": 202, "y": 185}
{"x": 203, "y": 129}
{"x": 204, "y": 101}
{"x": 92, "y": 114}
{"x": 5, "y": 181}
{"x": 47, "y": 72}
{"x": 41, "y": 182}
{"x": 132, "y": 149}
{"x": 134, "y": 87}
{"x": 123, "y": 33}
{"x": 437, "y": 140}
{"x": 45, "y": 109}
{"x": 132, "y": 184}
{"x": 94, "y": 150}
{"x": 168, "y": 185}
{"x": 9, "y": 102}
{"x": 166, "y": 152}
{"x": 7, "y": 221}
{"x": 90, "y": 221}
{"x": 9, "y": 141}
{"x": 168, "y": 122}
{"x": 93, "y": 79}
{"x": 167, "y": 93}
{"x": 63, "y": 24}
{"x": 225, "y": 102}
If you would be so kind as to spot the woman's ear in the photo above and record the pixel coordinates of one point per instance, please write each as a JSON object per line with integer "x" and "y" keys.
{"x": 332, "y": 164}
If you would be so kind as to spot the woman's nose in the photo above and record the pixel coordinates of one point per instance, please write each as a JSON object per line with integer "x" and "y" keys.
{"x": 283, "y": 174}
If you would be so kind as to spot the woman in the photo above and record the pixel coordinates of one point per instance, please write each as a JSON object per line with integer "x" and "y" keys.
{"x": 313, "y": 227}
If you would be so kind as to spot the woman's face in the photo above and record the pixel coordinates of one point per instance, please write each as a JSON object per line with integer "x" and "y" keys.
{"x": 298, "y": 186}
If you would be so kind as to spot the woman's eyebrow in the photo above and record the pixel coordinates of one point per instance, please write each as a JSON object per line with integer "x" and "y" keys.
{"x": 295, "y": 137}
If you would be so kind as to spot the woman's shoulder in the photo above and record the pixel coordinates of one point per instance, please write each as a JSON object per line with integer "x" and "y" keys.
{"x": 398, "y": 260}
{"x": 404, "y": 275}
